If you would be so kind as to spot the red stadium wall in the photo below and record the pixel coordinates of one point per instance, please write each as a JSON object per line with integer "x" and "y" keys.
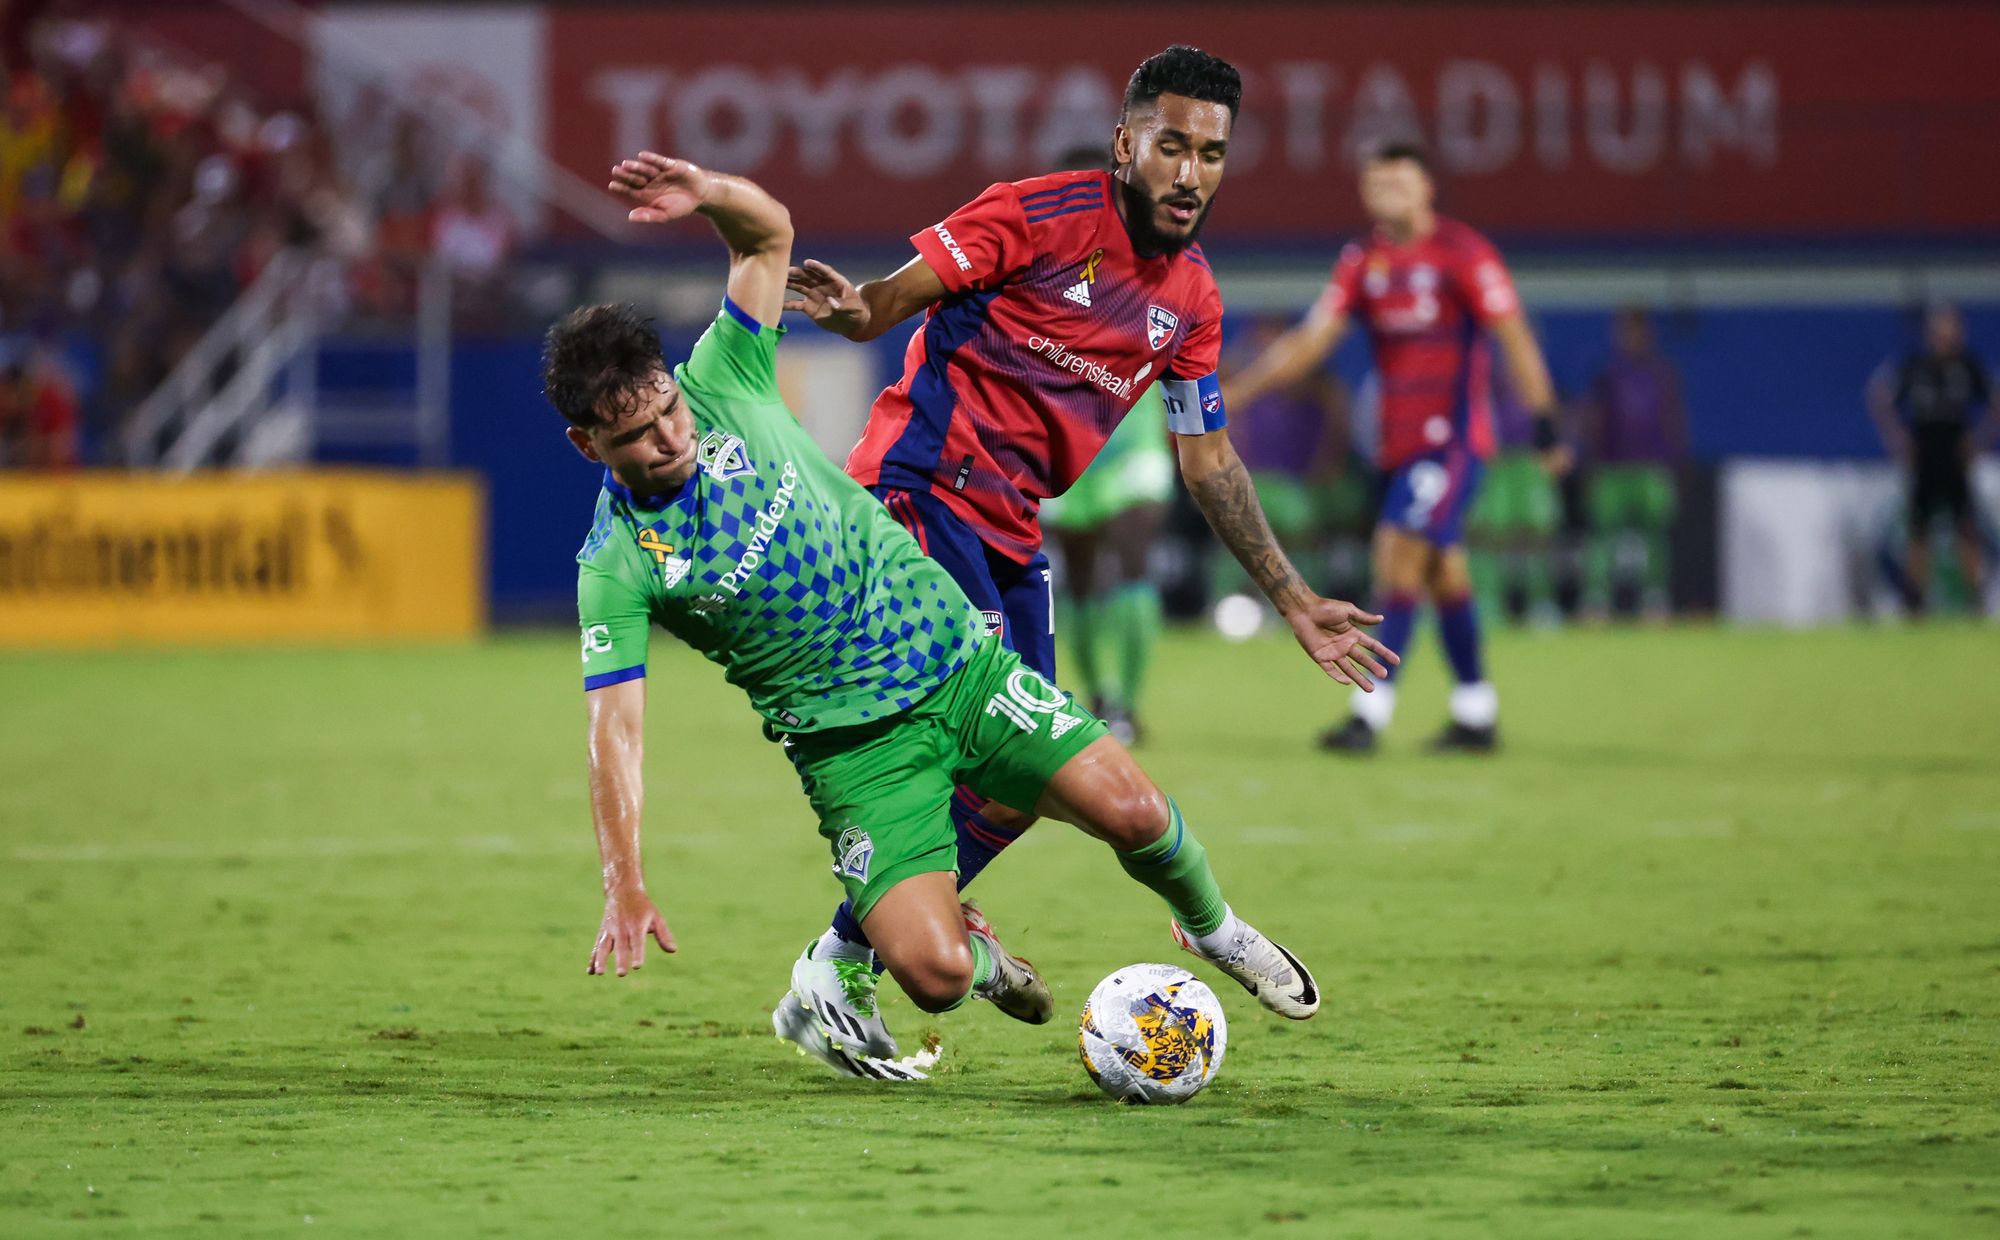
{"x": 1574, "y": 121}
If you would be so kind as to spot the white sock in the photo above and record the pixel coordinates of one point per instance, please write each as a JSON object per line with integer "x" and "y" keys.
{"x": 832, "y": 947}
{"x": 1476, "y": 705}
{"x": 1377, "y": 708}
{"x": 1219, "y": 940}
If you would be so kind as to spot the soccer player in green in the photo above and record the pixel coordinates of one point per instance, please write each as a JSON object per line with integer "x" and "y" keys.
{"x": 721, "y": 521}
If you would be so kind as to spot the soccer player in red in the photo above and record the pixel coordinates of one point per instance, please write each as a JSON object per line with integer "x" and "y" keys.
{"x": 1049, "y": 305}
{"x": 1429, "y": 290}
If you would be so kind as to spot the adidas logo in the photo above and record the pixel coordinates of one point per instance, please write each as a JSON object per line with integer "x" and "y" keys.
{"x": 1079, "y": 293}
{"x": 1061, "y": 724}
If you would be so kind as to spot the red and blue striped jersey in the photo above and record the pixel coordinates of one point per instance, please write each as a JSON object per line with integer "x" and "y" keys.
{"x": 1051, "y": 327}
{"x": 1426, "y": 305}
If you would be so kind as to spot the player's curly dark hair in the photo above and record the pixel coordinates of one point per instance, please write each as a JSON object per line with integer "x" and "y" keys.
{"x": 1189, "y": 71}
{"x": 595, "y": 358}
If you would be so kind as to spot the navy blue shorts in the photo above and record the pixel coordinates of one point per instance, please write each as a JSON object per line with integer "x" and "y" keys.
{"x": 1430, "y": 496}
{"x": 1017, "y": 599}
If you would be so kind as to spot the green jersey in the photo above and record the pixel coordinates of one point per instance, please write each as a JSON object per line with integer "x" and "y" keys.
{"x": 769, "y": 560}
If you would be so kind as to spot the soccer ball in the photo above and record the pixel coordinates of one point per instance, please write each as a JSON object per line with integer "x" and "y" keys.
{"x": 1152, "y": 1033}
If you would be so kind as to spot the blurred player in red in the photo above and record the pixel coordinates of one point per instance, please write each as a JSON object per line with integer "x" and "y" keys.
{"x": 1049, "y": 307}
{"x": 1428, "y": 290}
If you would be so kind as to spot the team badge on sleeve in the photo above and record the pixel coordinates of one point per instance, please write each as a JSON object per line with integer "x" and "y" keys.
{"x": 1160, "y": 325}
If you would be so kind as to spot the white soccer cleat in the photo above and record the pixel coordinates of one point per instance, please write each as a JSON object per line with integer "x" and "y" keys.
{"x": 839, "y": 993}
{"x": 1269, "y": 972}
{"x": 1015, "y": 987}
{"x": 796, "y": 1025}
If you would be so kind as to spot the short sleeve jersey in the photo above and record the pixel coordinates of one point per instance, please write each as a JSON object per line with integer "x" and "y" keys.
{"x": 1425, "y": 306}
{"x": 1051, "y": 327}
{"x": 769, "y": 561}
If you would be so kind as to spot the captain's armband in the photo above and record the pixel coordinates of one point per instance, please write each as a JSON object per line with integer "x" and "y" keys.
{"x": 1194, "y": 406}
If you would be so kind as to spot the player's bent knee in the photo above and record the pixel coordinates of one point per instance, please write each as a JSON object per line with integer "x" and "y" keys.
{"x": 938, "y": 981}
{"x": 1132, "y": 817}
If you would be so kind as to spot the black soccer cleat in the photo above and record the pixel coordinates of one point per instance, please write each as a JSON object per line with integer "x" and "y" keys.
{"x": 1464, "y": 738}
{"x": 1353, "y": 736}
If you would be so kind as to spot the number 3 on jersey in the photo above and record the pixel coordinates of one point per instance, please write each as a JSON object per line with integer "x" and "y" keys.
{"x": 1028, "y": 700}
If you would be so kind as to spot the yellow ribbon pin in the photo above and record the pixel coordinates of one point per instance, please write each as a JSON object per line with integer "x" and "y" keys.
{"x": 651, "y": 542}
{"x": 1090, "y": 265}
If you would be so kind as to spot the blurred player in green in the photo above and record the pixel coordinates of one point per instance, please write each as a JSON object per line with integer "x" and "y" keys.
{"x": 1106, "y": 524}
{"x": 1635, "y": 433}
{"x": 721, "y": 521}
{"x": 1512, "y": 525}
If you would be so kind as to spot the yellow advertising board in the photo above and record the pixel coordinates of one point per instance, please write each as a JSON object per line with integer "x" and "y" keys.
{"x": 107, "y": 558}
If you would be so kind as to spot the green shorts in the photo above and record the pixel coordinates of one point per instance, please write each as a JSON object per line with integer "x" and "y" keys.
{"x": 883, "y": 790}
{"x": 1641, "y": 496}
{"x": 1518, "y": 497}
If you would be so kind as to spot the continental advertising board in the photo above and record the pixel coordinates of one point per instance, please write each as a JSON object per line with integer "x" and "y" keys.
{"x": 103, "y": 559}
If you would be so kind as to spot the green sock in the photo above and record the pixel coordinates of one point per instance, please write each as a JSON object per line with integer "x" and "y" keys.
{"x": 1489, "y": 583}
{"x": 1133, "y": 616}
{"x": 1598, "y": 569}
{"x": 1541, "y": 581}
{"x": 1175, "y": 867}
{"x": 1658, "y": 564}
{"x": 982, "y": 969}
{"x": 1084, "y": 616}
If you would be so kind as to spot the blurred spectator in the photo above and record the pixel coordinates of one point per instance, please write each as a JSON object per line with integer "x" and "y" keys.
{"x": 399, "y": 187}
{"x": 1634, "y": 432}
{"x": 39, "y": 412}
{"x": 473, "y": 235}
{"x": 1936, "y": 414}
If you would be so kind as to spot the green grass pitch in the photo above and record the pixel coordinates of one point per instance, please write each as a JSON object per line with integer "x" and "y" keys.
{"x": 295, "y": 941}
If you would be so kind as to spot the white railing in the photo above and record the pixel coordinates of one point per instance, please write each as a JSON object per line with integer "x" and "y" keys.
{"x": 228, "y": 375}
{"x": 249, "y": 394}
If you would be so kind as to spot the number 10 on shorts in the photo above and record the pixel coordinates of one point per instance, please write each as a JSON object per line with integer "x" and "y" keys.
{"x": 1028, "y": 697}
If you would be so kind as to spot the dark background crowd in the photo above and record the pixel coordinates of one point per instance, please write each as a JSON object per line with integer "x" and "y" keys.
{"x": 142, "y": 190}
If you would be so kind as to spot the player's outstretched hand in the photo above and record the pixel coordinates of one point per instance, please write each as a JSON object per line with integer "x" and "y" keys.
{"x": 826, "y": 297}
{"x": 660, "y": 190}
{"x": 629, "y": 916}
{"x": 1331, "y": 632}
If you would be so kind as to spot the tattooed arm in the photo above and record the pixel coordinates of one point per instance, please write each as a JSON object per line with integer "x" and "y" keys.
{"x": 1328, "y": 629}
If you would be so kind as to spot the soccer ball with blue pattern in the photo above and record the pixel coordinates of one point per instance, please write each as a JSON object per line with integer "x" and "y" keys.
{"x": 1152, "y": 1033}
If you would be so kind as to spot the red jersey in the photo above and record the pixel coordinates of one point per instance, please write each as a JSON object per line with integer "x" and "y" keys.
{"x": 1052, "y": 325}
{"x": 1425, "y": 305}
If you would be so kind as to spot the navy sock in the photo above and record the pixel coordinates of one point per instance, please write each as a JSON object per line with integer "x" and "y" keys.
{"x": 1458, "y": 627}
{"x": 1399, "y": 619}
{"x": 979, "y": 840}
{"x": 847, "y": 926}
